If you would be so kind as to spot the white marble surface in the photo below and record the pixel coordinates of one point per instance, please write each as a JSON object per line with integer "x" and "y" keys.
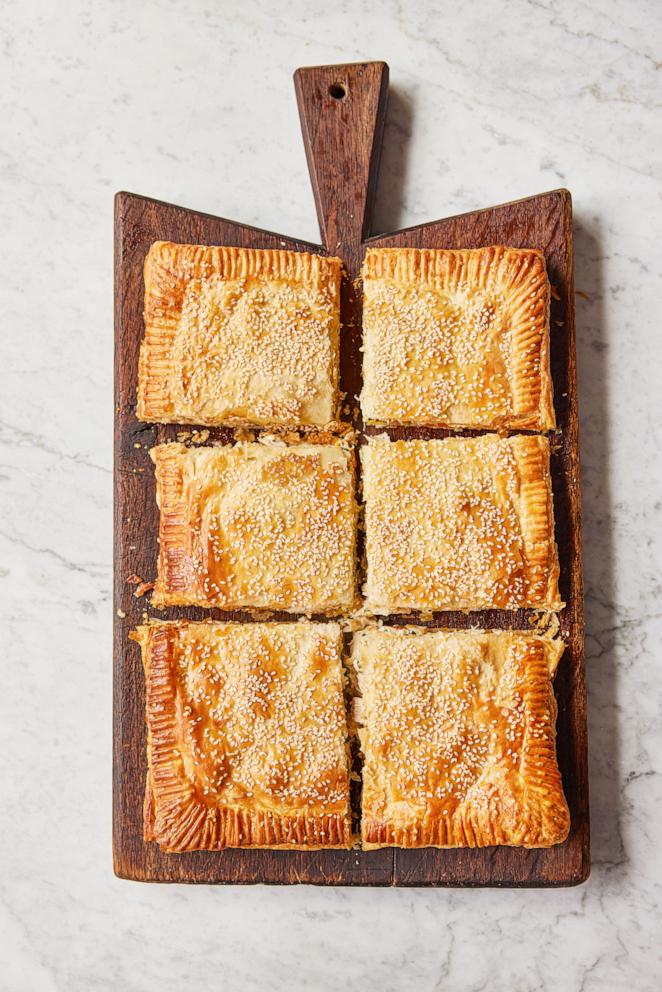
{"x": 193, "y": 103}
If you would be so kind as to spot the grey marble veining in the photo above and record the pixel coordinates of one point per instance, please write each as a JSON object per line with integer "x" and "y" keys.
{"x": 193, "y": 103}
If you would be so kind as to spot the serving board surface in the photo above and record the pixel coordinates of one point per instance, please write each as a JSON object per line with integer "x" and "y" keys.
{"x": 342, "y": 111}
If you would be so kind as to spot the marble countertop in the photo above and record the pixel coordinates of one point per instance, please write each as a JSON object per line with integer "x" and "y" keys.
{"x": 194, "y": 104}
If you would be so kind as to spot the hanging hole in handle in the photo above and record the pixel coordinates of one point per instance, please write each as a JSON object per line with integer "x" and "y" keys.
{"x": 337, "y": 91}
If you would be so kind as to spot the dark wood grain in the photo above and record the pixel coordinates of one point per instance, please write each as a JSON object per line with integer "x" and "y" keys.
{"x": 342, "y": 135}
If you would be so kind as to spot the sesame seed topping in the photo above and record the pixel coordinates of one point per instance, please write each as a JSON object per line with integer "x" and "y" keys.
{"x": 453, "y": 338}
{"x": 262, "y": 714}
{"x": 241, "y": 336}
{"x": 446, "y": 719}
{"x": 450, "y": 523}
{"x": 268, "y": 525}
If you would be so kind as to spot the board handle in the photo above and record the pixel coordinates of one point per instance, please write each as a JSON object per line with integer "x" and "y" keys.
{"x": 342, "y": 110}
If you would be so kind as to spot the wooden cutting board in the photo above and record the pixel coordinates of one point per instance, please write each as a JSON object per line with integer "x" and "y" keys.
{"x": 342, "y": 111}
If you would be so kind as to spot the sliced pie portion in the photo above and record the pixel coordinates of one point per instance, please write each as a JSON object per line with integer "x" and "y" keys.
{"x": 247, "y": 736}
{"x": 458, "y": 733}
{"x": 459, "y": 524}
{"x": 239, "y": 336}
{"x": 457, "y": 338}
{"x": 257, "y": 524}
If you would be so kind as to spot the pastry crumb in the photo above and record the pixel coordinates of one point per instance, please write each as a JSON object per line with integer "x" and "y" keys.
{"x": 141, "y": 589}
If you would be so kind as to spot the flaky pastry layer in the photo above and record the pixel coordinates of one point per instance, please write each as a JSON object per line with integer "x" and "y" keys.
{"x": 458, "y": 733}
{"x": 457, "y": 338}
{"x": 247, "y": 736}
{"x": 239, "y": 336}
{"x": 459, "y": 523}
{"x": 267, "y": 525}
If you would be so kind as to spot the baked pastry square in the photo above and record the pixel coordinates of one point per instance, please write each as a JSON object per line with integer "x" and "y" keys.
{"x": 459, "y": 731}
{"x": 247, "y": 736}
{"x": 459, "y": 524}
{"x": 239, "y": 336}
{"x": 457, "y": 338}
{"x": 255, "y": 524}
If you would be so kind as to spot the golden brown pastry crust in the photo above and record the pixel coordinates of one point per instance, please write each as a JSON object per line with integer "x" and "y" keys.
{"x": 247, "y": 737}
{"x": 457, "y": 338}
{"x": 239, "y": 336}
{"x": 263, "y": 525}
{"x": 459, "y": 739}
{"x": 459, "y": 524}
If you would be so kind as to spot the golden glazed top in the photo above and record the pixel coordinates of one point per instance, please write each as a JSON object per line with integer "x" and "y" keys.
{"x": 256, "y": 524}
{"x": 456, "y": 338}
{"x": 459, "y": 737}
{"x": 459, "y": 523}
{"x": 239, "y": 336}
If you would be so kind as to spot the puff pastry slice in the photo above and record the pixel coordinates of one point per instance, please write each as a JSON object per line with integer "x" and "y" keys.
{"x": 257, "y": 524}
{"x": 247, "y": 736}
{"x": 457, "y": 338}
{"x": 239, "y": 336}
{"x": 458, "y": 733}
{"x": 459, "y": 524}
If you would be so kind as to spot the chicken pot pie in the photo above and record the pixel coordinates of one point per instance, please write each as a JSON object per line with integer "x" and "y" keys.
{"x": 239, "y": 336}
{"x": 246, "y": 736}
{"x": 457, "y": 338}
{"x": 257, "y": 524}
{"x": 459, "y": 524}
{"x": 458, "y": 733}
